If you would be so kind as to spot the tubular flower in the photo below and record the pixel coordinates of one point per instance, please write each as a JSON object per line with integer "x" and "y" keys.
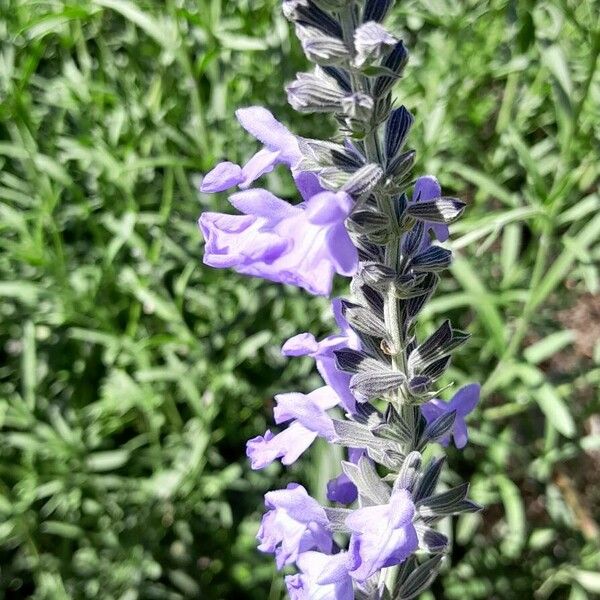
{"x": 302, "y": 245}
{"x": 322, "y": 577}
{"x": 294, "y": 523}
{"x": 463, "y": 402}
{"x": 309, "y": 420}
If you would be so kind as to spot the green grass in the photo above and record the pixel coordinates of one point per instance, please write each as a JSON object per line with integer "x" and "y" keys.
{"x": 131, "y": 376}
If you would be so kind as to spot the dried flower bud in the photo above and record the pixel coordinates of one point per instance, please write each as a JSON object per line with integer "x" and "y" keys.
{"x": 394, "y": 66}
{"x": 396, "y": 131}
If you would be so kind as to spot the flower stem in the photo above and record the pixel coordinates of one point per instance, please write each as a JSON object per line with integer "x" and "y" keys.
{"x": 393, "y": 259}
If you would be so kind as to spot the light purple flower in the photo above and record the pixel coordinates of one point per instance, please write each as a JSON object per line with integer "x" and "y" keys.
{"x": 222, "y": 177}
{"x": 341, "y": 489}
{"x": 294, "y": 523}
{"x": 322, "y": 577}
{"x": 382, "y": 536}
{"x": 280, "y": 147}
{"x": 428, "y": 188}
{"x": 463, "y": 402}
{"x": 302, "y": 245}
{"x": 305, "y": 344}
{"x": 309, "y": 420}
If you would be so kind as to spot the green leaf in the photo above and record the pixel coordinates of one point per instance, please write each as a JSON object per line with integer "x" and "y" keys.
{"x": 241, "y": 43}
{"x": 28, "y": 364}
{"x": 478, "y": 229}
{"x": 509, "y": 253}
{"x": 584, "y": 207}
{"x": 514, "y": 511}
{"x": 157, "y": 30}
{"x": 555, "y": 409}
{"x": 578, "y": 593}
{"x": 483, "y": 301}
{"x": 548, "y": 346}
{"x": 542, "y": 538}
{"x": 554, "y": 59}
{"x": 108, "y": 460}
{"x": 61, "y": 529}
{"x": 484, "y": 182}
{"x": 590, "y": 580}
{"x": 528, "y": 161}
{"x": 589, "y": 234}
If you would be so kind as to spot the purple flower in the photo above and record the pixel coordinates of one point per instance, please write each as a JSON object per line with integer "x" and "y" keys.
{"x": 322, "y": 577}
{"x": 305, "y": 344}
{"x": 294, "y": 523}
{"x": 428, "y": 188}
{"x": 382, "y": 536}
{"x": 280, "y": 147}
{"x": 309, "y": 420}
{"x": 341, "y": 489}
{"x": 463, "y": 402}
{"x": 302, "y": 245}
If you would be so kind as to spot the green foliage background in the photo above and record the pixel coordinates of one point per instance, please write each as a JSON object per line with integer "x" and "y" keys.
{"x": 131, "y": 376}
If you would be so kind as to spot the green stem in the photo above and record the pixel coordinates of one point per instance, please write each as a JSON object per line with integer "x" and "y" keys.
{"x": 393, "y": 259}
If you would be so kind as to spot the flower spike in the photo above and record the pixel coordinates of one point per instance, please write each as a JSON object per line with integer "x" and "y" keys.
{"x": 363, "y": 215}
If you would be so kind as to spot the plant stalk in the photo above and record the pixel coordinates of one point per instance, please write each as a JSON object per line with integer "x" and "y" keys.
{"x": 393, "y": 259}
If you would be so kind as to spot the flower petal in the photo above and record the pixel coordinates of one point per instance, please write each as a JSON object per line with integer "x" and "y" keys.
{"x": 222, "y": 177}
{"x": 288, "y": 446}
{"x": 261, "y": 123}
{"x": 262, "y": 203}
{"x": 262, "y": 162}
{"x": 466, "y": 399}
{"x": 426, "y": 188}
{"x": 328, "y": 208}
{"x": 303, "y": 344}
{"x": 342, "y": 251}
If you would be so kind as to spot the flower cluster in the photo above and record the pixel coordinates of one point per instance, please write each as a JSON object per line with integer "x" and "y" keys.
{"x": 360, "y": 215}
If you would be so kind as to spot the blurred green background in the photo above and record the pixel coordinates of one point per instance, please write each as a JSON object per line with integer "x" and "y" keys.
{"x": 131, "y": 376}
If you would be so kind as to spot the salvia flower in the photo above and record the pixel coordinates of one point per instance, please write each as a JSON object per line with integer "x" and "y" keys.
{"x": 341, "y": 489}
{"x": 302, "y": 245}
{"x": 321, "y": 577}
{"x": 382, "y": 536}
{"x": 309, "y": 420}
{"x": 293, "y": 524}
{"x": 463, "y": 402}
{"x": 280, "y": 147}
{"x": 305, "y": 344}
{"x": 428, "y": 188}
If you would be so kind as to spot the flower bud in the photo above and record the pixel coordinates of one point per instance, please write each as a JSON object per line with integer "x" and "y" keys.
{"x": 306, "y": 12}
{"x": 314, "y": 92}
{"x": 321, "y": 48}
{"x": 372, "y": 41}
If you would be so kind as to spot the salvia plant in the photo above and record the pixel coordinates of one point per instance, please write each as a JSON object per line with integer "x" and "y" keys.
{"x": 362, "y": 215}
